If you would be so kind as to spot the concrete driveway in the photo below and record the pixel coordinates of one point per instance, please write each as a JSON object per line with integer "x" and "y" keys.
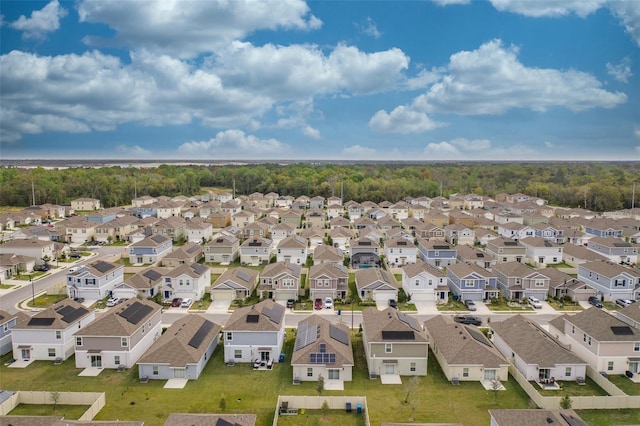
{"x": 219, "y": 306}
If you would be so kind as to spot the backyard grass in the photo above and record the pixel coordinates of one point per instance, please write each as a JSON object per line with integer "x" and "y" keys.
{"x": 590, "y": 388}
{"x": 317, "y": 417}
{"x": 625, "y": 416}
{"x": 246, "y": 390}
{"x": 69, "y": 412}
{"x": 32, "y": 275}
{"x": 625, "y": 385}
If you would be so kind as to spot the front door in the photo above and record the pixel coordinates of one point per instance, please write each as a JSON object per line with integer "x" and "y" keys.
{"x": 633, "y": 366}
{"x": 264, "y": 355}
{"x": 389, "y": 369}
{"x": 96, "y": 361}
{"x": 26, "y": 354}
{"x": 334, "y": 374}
{"x": 167, "y": 294}
{"x": 489, "y": 374}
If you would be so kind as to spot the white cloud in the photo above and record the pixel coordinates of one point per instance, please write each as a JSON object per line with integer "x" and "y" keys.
{"x": 402, "y": 120}
{"x": 441, "y": 149}
{"x": 369, "y": 28}
{"x": 133, "y": 151}
{"x": 188, "y": 28}
{"x": 629, "y": 14}
{"x": 359, "y": 152}
{"x": 491, "y": 80}
{"x": 424, "y": 79}
{"x": 311, "y": 132}
{"x": 235, "y": 143}
{"x": 41, "y": 22}
{"x": 621, "y": 71}
{"x": 450, "y": 2}
{"x": 471, "y": 145}
{"x": 548, "y": 8}
{"x": 548, "y": 144}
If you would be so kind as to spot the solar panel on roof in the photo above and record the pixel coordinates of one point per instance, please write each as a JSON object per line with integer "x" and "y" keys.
{"x": 199, "y": 335}
{"x": 322, "y": 358}
{"x": 102, "y": 266}
{"x": 135, "y": 312}
{"x": 622, "y": 330}
{"x": 398, "y": 335}
{"x": 438, "y": 247}
{"x": 480, "y": 255}
{"x": 274, "y": 313}
{"x": 220, "y": 240}
{"x": 306, "y": 335}
{"x": 339, "y": 334}
{"x": 402, "y": 243}
{"x": 74, "y": 315}
{"x": 510, "y": 243}
{"x": 193, "y": 248}
{"x": 410, "y": 321}
{"x": 572, "y": 421}
{"x": 255, "y": 244}
{"x": 41, "y": 321}
{"x": 478, "y": 336}
{"x": 64, "y": 310}
{"x": 158, "y": 238}
{"x": 253, "y": 318}
{"x": 152, "y": 275}
{"x": 244, "y": 276}
{"x": 223, "y": 422}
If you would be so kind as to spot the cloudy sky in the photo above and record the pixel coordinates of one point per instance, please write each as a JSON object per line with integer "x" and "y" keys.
{"x": 288, "y": 79}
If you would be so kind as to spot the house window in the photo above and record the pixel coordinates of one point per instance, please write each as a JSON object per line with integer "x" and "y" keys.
{"x": 78, "y": 341}
{"x": 618, "y": 283}
{"x": 388, "y": 348}
{"x": 465, "y": 372}
{"x": 51, "y": 352}
{"x": 539, "y": 283}
{"x": 155, "y": 370}
{"x": 309, "y": 372}
{"x": 636, "y": 347}
{"x": 567, "y": 371}
{"x": 58, "y": 334}
{"x": 229, "y": 336}
{"x": 237, "y": 354}
{"x": 437, "y": 253}
{"x": 541, "y": 259}
{"x": 573, "y": 329}
{"x": 116, "y": 360}
{"x": 412, "y": 367}
{"x": 123, "y": 342}
{"x": 610, "y": 366}
{"x": 584, "y": 337}
{"x": 90, "y": 281}
{"x": 468, "y": 283}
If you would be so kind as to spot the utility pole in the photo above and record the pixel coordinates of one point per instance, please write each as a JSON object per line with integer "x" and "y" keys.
{"x": 33, "y": 194}
{"x": 633, "y": 195}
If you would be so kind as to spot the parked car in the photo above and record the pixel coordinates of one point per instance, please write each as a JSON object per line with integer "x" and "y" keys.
{"x": 113, "y": 301}
{"x": 186, "y": 303}
{"x": 175, "y": 303}
{"x": 470, "y": 304}
{"x": 328, "y": 303}
{"x": 74, "y": 269}
{"x": 624, "y": 302}
{"x": 535, "y": 302}
{"x": 393, "y": 303}
{"x": 291, "y": 303}
{"x": 42, "y": 268}
{"x": 75, "y": 255}
{"x": 595, "y": 302}
{"x": 317, "y": 304}
{"x": 468, "y": 319}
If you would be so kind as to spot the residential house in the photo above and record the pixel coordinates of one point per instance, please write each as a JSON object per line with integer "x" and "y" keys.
{"x": 85, "y": 204}
{"x": 292, "y": 249}
{"x": 255, "y": 332}
{"x": 14, "y": 264}
{"x": 118, "y": 338}
{"x": 280, "y": 281}
{"x": 469, "y": 281}
{"x": 354, "y": 210}
{"x": 394, "y": 343}
{"x": 280, "y": 231}
{"x": 575, "y": 255}
{"x": 293, "y": 217}
{"x": 186, "y": 281}
{"x": 630, "y": 315}
{"x": 549, "y": 232}
{"x": 564, "y": 286}
{"x": 518, "y": 417}
{"x": 541, "y": 251}
{"x": 614, "y": 249}
{"x": 515, "y": 230}
{"x": 172, "y": 227}
{"x": 255, "y": 229}
{"x": 149, "y": 250}
{"x": 364, "y": 253}
{"x": 223, "y": 249}
{"x": 322, "y": 349}
{"x": 242, "y": 218}
{"x": 314, "y": 236}
{"x": 327, "y": 254}
{"x": 145, "y": 284}
{"x": 364, "y": 222}
{"x": 78, "y": 230}
{"x": 7, "y": 322}
{"x": 102, "y": 216}
{"x": 468, "y": 253}
{"x": 168, "y": 209}
{"x": 48, "y": 335}
{"x": 198, "y": 230}
{"x": 341, "y": 237}
{"x": 255, "y": 251}
{"x": 535, "y": 353}
{"x": 94, "y": 280}
{"x": 507, "y": 217}
{"x": 388, "y": 226}
{"x": 219, "y": 219}
{"x": 188, "y": 253}
{"x": 315, "y": 218}
{"x": 604, "y": 228}
{"x": 518, "y": 281}
{"x": 457, "y": 234}
{"x": 605, "y": 342}
{"x": 506, "y": 250}
{"x": 424, "y": 282}
{"x": 399, "y": 252}
{"x": 116, "y": 230}
{"x": 429, "y": 231}
{"x": 339, "y": 222}
{"x": 611, "y": 280}
{"x": 328, "y": 280}
{"x": 182, "y": 351}
{"x": 376, "y": 284}
{"x": 36, "y": 249}
{"x": 437, "y": 253}
{"x": 143, "y": 200}
{"x": 334, "y": 211}
{"x": 464, "y": 353}
{"x": 234, "y": 284}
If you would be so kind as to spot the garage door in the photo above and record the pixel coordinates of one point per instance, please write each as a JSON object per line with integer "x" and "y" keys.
{"x": 221, "y": 295}
{"x": 423, "y": 296}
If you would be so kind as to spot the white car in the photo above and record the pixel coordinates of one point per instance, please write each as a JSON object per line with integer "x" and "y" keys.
{"x": 535, "y": 302}
{"x": 186, "y": 303}
{"x": 328, "y": 303}
{"x": 113, "y": 301}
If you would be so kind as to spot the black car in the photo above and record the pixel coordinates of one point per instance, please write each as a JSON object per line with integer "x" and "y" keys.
{"x": 595, "y": 302}
{"x": 393, "y": 303}
{"x": 468, "y": 319}
{"x": 290, "y": 303}
{"x": 75, "y": 255}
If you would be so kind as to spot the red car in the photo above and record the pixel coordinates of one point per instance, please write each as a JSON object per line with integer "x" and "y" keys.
{"x": 317, "y": 304}
{"x": 175, "y": 303}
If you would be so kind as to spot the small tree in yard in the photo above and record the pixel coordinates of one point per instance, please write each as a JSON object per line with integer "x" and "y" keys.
{"x": 495, "y": 388}
{"x": 412, "y": 386}
{"x": 565, "y": 402}
{"x": 55, "y": 397}
{"x": 223, "y": 403}
{"x": 320, "y": 387}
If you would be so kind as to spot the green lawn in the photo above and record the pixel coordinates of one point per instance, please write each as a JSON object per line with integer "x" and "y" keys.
{"x": 564, "y": 306}
{"x": 46, "y": 300}
{"x": 625, "y": 385}
{"x": 69, "y": 412}
{"x": 610, "y": 417}
{"x": 590, "y": 388}
{"x": 317, "y": 417}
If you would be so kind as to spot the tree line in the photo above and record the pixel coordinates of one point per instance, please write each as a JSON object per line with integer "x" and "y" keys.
{"x": 595, "y": 186}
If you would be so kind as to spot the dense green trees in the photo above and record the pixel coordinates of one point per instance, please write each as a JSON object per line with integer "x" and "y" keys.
{"x": 596, "y": 186}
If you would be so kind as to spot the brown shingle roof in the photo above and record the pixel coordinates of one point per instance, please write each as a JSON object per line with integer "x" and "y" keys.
{"x": 343, "y": 351}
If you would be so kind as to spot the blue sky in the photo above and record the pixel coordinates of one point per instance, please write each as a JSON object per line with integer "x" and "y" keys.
{"x": 350, "y": 80}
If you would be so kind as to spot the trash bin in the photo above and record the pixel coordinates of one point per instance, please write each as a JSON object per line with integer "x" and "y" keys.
{"x": 339, "y": 311}
{"x": 359, "y": 408}
{"x": 348, "y": 407}
{"x": 281, "y": 359}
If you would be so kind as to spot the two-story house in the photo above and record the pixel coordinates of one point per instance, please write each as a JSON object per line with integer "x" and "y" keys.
{"x": 7, "y": 322}
{"x": 400, "y": 251}
{"x": 437, "y": 253}
{"x": 549, "y": 232}
{"x": 85, "y": 204}
{"x": 614, "y": 249}
{"x": 198, "y": 230}
{"x": 255, "y": 332}
{"x": 424, "y": 282}
{"x": 255, "y": 251}
{"x": 145, "y": 284}
{"x": 394, "y": 344}
{"x": 472, "y": 254}
{"x": 280, "y": 281}
{"x": 116, "y": 230}
{"x": 34, "y": 248}
{"x": 469, "y": 281}
{"x": 149, "y": 250}
{"x": 234, "y": 284}
{"x": 327, "y": 254}
{"x": 364, "y": 253}
{"x": 172, "y": 227}
{"x": 186, "y": 281}
{"x": 120, "y": 337}
{"x": 223, "y": 249}
{"x": 604, "y": 228}
{"x": 48, "y": 335}
{"x": 292, "y": 249}
{"x": 457, "y": 234}
{"x": 328, "y": 280}
{"x": 541, "y": 251}
{"x": 611, "y": 280}
{"x": 94, "y": 280}
{"x": 506, "y": 250}
{"x": 518, "y": 281}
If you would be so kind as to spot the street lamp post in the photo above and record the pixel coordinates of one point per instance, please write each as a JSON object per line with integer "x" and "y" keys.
{"x": 352, "y": 313}
{"x": 33, "y": 293}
